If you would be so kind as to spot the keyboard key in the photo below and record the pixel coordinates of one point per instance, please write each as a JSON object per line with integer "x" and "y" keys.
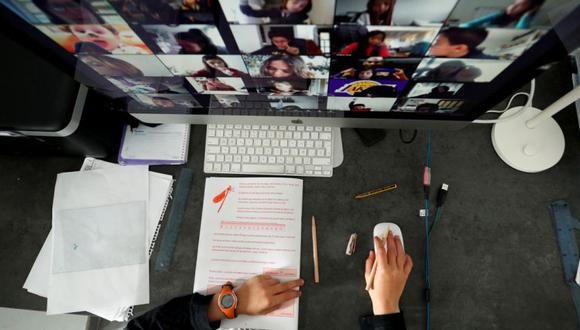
{"x": 223, "y": 141}
{"x": 211, "y": 132}
{"x": 319, "y": 152}
{"x": 290, "y": 169}
{"x": 277, "y": 151}
{"x": 318, "y": 129}
{"x": 251, "y": 168}
{"x": 259, "y": 151}
{"x": 266, "y": 143}
{"x": 299, "y": 169}
{"x": 212, "y": 141}
{"x": 325, "y": 136}
{"x": 321, "y": 161}
{"x": 271, "y": 160}
{"x": 225, "y": 150}
{"x": 245, "y": 159}
{"x": 210, "y": 158}
{"x": 220, "y": 126}
{"x": 279, "y": 160}
{"x": 219, "y": 133}
{"x": 237, "y": 158}
{"x": 236, "y": 167}
{"x": 309, "y": 128}
{"x": 284, "y": 143}
{"x": 300, "y": 128}
{"x": 289, "y": 160}
{"x": 263, "y": 160}
{"x": 229, "y": 126}
{"x": 328, "y": 129}
{"x": 267, "y": 151}
{"x": 217, "y": 167}
{"x": 212, "y": 149}
{"x": 285, "y": 151}
{"x": 249, "y": 142}
{"x": 298, "y": 160}
{"x": 292, "y": 128}
{"x": 226, "y": 167}
{"x": 228, "y": 133}
{"x": 314, "y": 136}
{"x": 208, "y": 167}
{"x": 219, "y": 158}
{"x": 229, "y": 158}
{"x": 255, "y": 159}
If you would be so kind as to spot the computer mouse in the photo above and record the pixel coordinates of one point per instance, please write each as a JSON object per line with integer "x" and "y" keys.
{"x": 382, "y": 228}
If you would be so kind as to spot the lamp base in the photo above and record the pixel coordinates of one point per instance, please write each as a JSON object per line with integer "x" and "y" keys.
{"x": 526, "y": 149}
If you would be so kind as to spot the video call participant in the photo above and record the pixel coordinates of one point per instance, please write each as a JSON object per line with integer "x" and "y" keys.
{"x": 68, "y": 11}
{"x": 372, "y": 44}
{"x": 163, "y": 102}
{"x": 194, "y": 41}
{"x": 379, "y": 12}
{"x": 450, "y": 71}
{"x": 213, "y": 84}
{"x": 358, "y": 107}
{"x": 100, "y": 39}
{"x": 111, "y": 67}
{"x": 284, "y": 66}
{"x": 287, "y": 88}
{"x": 283, "y": 43}
{"x": 518, "y": 15}
{"x": 439, "y": 92}
{"x": 263, "y": 294}
{"x": 216, "y": 66}
{"x": 290, "y": 12}
{"x": 195, "y": 11}
{"x": 457, "y": 42}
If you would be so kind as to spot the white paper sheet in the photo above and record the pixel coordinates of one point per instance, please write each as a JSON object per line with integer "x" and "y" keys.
{"x": 159, "y": 190}
{"x": 250, "y": 226}
{"x": 117, "y": 286}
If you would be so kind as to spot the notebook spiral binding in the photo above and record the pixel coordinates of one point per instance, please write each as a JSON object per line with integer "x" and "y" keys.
{"x": 154, "y": 238}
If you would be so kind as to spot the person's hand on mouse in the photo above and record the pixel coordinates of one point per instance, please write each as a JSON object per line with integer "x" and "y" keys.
{"x": 393, "y": 268}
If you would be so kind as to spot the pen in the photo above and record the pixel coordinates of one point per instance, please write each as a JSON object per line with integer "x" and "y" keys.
{"x": 377, "y": 191}
{"x": 315, "y": 251}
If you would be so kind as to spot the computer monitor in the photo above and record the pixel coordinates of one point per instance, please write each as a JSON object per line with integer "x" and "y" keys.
{"x": 375, "y": 63}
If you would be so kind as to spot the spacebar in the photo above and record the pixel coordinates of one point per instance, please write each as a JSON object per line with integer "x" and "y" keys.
{"x": 250, "y": 168}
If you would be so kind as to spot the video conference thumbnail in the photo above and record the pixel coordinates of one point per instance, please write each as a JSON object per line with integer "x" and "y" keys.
{"x": 459, "y": 70}
{"x": 319, "y": 12}
{"x": 432, "y": 106}
{"x": 96, "y": 38}
{"x": 165, "y": 11}
{"x": 167, "y": 101}
{"x": 360, "y": 104}
{"x": 205, "y": 65}
{"x": 126, "y": 65}
{"x": 187, "y": 39}
{"x": 385, "y": 41}
{"x": 150, "y": 85}
{"x": 289, "y": 87}
{"x": 204, "y": 85}
{"x": 481, "y": 43}
{"x": 277, "y": 39}
{"x": 287, "y": 67}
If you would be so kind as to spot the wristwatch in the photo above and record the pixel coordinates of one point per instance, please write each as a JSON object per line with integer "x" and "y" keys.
{"x": 228, "y": 301}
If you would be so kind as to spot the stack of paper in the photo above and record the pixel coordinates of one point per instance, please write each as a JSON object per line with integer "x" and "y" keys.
{"x": 104, "y": 224}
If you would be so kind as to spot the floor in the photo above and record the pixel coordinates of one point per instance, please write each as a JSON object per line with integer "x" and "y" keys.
{"x": 494, "y": 257}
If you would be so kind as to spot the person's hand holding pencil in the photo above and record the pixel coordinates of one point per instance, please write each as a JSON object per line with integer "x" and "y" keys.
{"x": 386, "y": 272}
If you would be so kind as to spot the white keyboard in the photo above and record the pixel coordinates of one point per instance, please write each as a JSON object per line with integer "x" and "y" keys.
{"x": 269, "y": 150}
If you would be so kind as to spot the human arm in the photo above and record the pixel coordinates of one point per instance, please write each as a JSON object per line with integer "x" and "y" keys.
{"x": 392, "y": 272}
{"x": 247, "y": 10}
{"x": 349, "y": 49}
{"x": 257, "y": 296}
{"x": 483, "y": 21}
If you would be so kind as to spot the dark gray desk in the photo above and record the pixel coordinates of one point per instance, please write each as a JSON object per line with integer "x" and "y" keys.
{"x": 494, "y": 258}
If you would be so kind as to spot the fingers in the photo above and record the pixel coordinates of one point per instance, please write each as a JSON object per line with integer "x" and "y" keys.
{"x": 369, "y": 263}
{"x": 408, "y": 264}
{"x": 400, "y": 252}
{"x": 285, "y": 296}
{"x": 281, "y": 287}
{"x": 391, "y": 250}
{"x": 380, "y": 253}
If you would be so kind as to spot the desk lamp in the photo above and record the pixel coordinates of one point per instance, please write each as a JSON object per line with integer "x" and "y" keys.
{"x": 532, "y": 141}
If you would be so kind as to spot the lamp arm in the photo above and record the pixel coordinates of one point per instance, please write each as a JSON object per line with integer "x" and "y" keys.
{"x": 560, "y": 104}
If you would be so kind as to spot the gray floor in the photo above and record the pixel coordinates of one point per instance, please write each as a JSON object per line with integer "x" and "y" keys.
{"x": 495, "y": 261}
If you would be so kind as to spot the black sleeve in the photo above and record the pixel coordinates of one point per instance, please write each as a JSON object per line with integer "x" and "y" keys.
{"x": 187, "y": 312}
{"x": 383, "y": 322}
{"x": 249, "y": 11}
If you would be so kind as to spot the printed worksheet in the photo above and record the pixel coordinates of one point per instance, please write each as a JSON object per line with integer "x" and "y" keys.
{"x": 250, "y": 226}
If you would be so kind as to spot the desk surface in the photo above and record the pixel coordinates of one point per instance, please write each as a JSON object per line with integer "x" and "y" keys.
{"x": 494, "y": 257}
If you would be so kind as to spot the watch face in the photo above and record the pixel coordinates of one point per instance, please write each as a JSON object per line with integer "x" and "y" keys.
{"x": 227, "y": 301}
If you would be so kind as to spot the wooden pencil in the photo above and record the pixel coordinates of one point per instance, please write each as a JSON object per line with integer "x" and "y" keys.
{"x": 315, "y": 251}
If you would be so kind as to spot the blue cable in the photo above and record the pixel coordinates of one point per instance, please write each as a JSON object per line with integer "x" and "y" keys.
{"x": 427, "y": 231}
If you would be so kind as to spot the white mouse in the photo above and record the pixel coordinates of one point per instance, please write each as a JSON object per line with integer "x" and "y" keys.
{"x": 382, "y": 228}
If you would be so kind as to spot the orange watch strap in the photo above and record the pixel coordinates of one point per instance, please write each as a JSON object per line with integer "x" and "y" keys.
{"x": 232, "y": 311}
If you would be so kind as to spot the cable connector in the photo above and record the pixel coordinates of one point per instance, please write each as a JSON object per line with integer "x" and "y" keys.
{"x": 442, "y": 194}
{"x": 426, "y": 181}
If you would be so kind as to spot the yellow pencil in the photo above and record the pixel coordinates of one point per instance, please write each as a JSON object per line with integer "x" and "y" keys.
{"x": 377, "y": 191}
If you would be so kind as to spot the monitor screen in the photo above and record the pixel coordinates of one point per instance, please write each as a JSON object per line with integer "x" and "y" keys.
{"x": 362, "y": 59}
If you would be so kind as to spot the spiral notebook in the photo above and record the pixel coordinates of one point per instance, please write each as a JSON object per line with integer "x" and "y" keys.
{"x": 166, "y": 144}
